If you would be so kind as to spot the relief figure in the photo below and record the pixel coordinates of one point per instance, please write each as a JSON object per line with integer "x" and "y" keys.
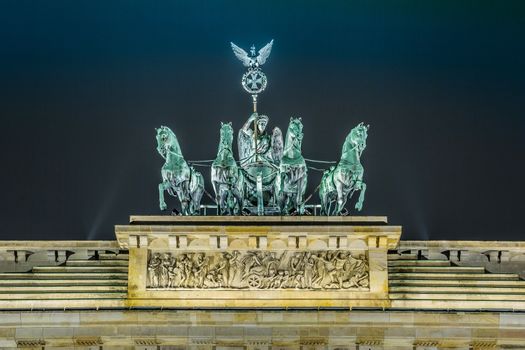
{"x": 263, "y": 270}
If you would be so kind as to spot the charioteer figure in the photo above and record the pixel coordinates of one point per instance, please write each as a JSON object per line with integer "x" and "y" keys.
{"x": 256, "y": 145}
{"x": 259, "y": 154}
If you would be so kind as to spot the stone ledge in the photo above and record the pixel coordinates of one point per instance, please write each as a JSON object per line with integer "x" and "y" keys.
{"x": 479, "y": 246}
{"x": 57, "y": 245}
{"x": 255, "y": 220}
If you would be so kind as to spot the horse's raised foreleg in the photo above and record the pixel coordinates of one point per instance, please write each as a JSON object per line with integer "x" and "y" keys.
{"x": 163, "y": 186}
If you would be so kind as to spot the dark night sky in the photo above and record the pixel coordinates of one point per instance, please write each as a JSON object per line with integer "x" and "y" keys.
{"x": 84, "y": 83}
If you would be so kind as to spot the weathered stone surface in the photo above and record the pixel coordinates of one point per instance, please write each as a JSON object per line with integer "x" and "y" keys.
{"x": 435, "y": 295}
{"x": 296, "y": 269}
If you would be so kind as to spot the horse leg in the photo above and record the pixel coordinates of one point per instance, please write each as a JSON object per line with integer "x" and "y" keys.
{"x": 330, "y": 207}
{"x": 218, "y": 200}
{"x": 303, "y": 192}
{"x": 299, "y": 197}
{"x": 362, "y": 187}
{"x": 216, "y": 190}
{"x": 285, "y": 195}
{"x": 163, "y": 186}
{"x": 238, "y": 200}
{"x": 341, "y": 196}
{"x": 180, "y": 194}
{"x": 229, "y": 198}
{"x": 196, "y": 199}
{"x": 214, "y": 185}
{"x": 323, "y": 197}
{"x": 284, "y": 203}
{"x": 324, "y": 206}
{"x": 223, "y": 199}
{"x": 218, "y": 203}
{"x": 195, "y": 190}
{"x": 301, "y": 188}
{"x": 184, "y": 196}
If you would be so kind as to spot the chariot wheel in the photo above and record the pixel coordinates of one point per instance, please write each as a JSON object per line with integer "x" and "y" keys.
{"x": 254, "y": 281}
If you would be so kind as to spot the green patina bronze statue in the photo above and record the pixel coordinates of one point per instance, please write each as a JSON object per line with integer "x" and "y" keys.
{"x": 290, "y": 184}
{"x": 226, "y": 177}
{"x": 178, "y": 178}
{"x": 259, "y": 156}
{"x": 270, "y": 176}
{"x": 340, "y": 182}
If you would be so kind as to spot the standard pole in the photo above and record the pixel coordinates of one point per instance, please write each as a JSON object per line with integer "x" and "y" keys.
{"x": 254, "y": 97}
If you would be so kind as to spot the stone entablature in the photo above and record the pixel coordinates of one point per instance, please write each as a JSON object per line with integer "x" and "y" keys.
{"x": 446, "y": 275}
{"x": 420, "y": 294}
{"x": 258, "y": 262}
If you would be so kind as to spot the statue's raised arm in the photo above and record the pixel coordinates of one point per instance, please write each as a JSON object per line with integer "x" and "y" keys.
{"x": 247, "y": 128}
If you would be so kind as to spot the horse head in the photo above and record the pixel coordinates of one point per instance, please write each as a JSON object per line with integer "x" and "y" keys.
{"x": 226, "y": 135}
{"x": 357, "y": 137}
{"x": 167, "y": 142}
{"x": 294, "y": 135}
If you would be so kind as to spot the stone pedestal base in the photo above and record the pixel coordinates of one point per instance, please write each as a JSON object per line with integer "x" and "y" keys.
{"x": 247, "y": 262}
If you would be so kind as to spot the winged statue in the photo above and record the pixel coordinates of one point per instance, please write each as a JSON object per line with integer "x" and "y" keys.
{"x": 253, "y": 60}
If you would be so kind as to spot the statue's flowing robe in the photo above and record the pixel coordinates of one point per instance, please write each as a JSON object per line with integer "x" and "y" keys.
{"x": 246, "y": 146}
{"x": 269, "y": 148}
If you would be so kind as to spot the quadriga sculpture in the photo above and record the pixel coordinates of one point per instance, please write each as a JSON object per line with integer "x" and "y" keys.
{"x": 291, "y": 182}
{"x": 178, "y": 178}
{"x": 340, "y": 182}
{"x": 226, "y": 177}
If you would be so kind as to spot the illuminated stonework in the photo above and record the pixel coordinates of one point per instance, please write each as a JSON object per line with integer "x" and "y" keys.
{"x": 238, "y": 261}
{"x": 421, "y": 295}
{"x": 314, "y": 270}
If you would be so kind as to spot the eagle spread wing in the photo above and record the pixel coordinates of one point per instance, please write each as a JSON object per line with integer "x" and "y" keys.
{"x": 263, "y": 53}
{"x": 242, "y": 55}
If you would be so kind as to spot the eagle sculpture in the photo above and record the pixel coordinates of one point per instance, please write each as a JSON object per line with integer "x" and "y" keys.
{"x": 252, "y": 60}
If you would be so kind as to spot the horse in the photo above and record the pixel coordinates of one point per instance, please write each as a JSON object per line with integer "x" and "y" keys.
{"x": 226, "y": 177}
{"x": 291, "y": 181}
{"x": 340, "y": 182}
{"x": 178, "y": 178}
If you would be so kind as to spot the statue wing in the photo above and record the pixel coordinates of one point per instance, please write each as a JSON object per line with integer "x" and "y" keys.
{"x": 244, "y": 143}
{"x": 264, "y": 53}
{"x": 241, "y": 55}
{"x": 277, "y": 145}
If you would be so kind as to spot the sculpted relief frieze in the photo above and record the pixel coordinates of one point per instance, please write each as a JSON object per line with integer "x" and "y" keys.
{"x": 258, "y": 270}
